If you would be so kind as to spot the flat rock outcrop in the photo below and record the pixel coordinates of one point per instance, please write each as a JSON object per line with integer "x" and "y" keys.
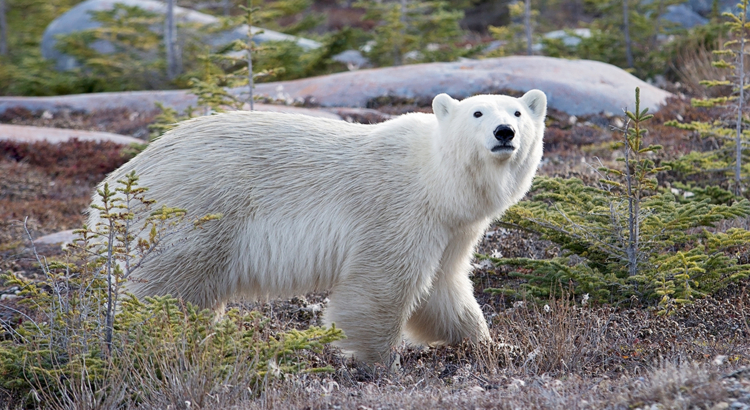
{"x": 141, "y": 101}
{"x": 61, "y": 237}
{"x": 576, "y": 87}
{"x": 24, "y": 133}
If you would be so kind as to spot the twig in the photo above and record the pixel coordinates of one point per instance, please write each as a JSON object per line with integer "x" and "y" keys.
{"x": 742, "y": 310}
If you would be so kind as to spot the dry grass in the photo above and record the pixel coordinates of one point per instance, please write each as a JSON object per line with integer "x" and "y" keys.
{"x": 668, "y": 387}
{"x": 171, "y": 374}
{"x": 694, "y": 64}
{"x": 567, "y": 357}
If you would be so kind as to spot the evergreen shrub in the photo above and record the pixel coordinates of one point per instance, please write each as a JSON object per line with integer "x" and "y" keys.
{"x": 414, "y": 32}
{"x": 79, "y": 342}
{"x": 138, "y": 61}
{"x": 729, "y": 163}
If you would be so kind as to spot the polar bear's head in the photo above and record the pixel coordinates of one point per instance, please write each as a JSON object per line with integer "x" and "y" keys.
{"x": 496, "y": 127}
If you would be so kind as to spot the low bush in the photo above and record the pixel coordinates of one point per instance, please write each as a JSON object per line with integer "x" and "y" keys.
{"x": 78, "y": 343}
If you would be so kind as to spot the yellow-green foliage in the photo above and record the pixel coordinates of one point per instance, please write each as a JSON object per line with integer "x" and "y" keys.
{"x": 138, "y": 58}
{"x": 427, "y": 30}
{"x": 24, "y": 71}
{"x": 591, "y": 223}
{"x": 138, "y": 61}
{"x": 714, "y": 166}
{"x": 512, "y": 36}
{"x": 718, "y": 165}
{"x": 78, "y": 341}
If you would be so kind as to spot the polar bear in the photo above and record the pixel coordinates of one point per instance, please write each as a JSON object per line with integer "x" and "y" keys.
{"x": 385, "y": 216}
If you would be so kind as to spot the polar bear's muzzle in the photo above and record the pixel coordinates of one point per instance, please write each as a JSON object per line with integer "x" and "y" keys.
{"x": 504, "y": 135}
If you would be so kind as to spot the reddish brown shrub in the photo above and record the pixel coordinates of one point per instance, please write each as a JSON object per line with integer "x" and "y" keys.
{"x": 84, "y": 160}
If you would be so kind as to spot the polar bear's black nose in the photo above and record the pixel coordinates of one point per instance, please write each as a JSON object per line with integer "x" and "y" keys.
{"x": 504, "y": 133}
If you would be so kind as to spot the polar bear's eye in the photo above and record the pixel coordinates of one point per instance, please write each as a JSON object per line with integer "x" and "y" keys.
{"x": 518, "y": 113}
{"x": 477, "y": 114}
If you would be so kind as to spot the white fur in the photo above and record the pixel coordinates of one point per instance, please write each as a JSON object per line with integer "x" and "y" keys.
{"x": 385, "y": 216}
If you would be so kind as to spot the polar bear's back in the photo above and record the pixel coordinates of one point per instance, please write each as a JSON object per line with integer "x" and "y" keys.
{"x": 240, "y": 159}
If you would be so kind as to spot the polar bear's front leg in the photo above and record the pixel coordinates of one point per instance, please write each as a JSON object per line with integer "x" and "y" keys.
{"x": 450, "y": 313}
{"x": 372, "y": 309}
{"x": 370, "y": 318}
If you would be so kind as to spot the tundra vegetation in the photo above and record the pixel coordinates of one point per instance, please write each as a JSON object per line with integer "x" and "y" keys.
{"x": 619, "y": 282}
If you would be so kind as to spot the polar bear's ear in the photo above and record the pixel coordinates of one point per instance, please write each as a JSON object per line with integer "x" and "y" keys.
{"x": 537, "y": 103}
{"x": 442, "y": 105}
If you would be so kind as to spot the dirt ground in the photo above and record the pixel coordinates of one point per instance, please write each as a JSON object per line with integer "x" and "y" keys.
{"x": 571, "y": 356}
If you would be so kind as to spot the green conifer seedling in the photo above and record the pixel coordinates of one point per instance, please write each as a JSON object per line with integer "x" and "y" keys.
{"x": 79, "y": 341}
{"x": 414, "y": 31}
{"x": 512, "y": 35}
{"x": 731, "y": 158}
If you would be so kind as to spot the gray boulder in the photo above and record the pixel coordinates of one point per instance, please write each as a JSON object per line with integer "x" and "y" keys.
{"x": 683, "y": 16}
{"x": 576, "y": 87}
{"x": 24, "y": 133}
{"x": 353, "y": 59}
{"x": 702, "y": 7}
{"x": 79, "y": 18}
{"x": 570, "y": 38}
{"x": 63, "y": 237}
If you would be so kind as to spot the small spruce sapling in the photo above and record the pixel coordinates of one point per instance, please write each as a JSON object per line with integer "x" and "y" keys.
{"x": 80, "y": 341}
{"x": 729, "y": 158}
{"x": 523, "y": 20}
{"x": 122, "y": 254}
{"x": 232, "y": 67}
{"x": 213, "y": 89}
{"x": 638, "y": 176}
{"x": 413, "y": 31}
{"x": 142, "y": 58}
